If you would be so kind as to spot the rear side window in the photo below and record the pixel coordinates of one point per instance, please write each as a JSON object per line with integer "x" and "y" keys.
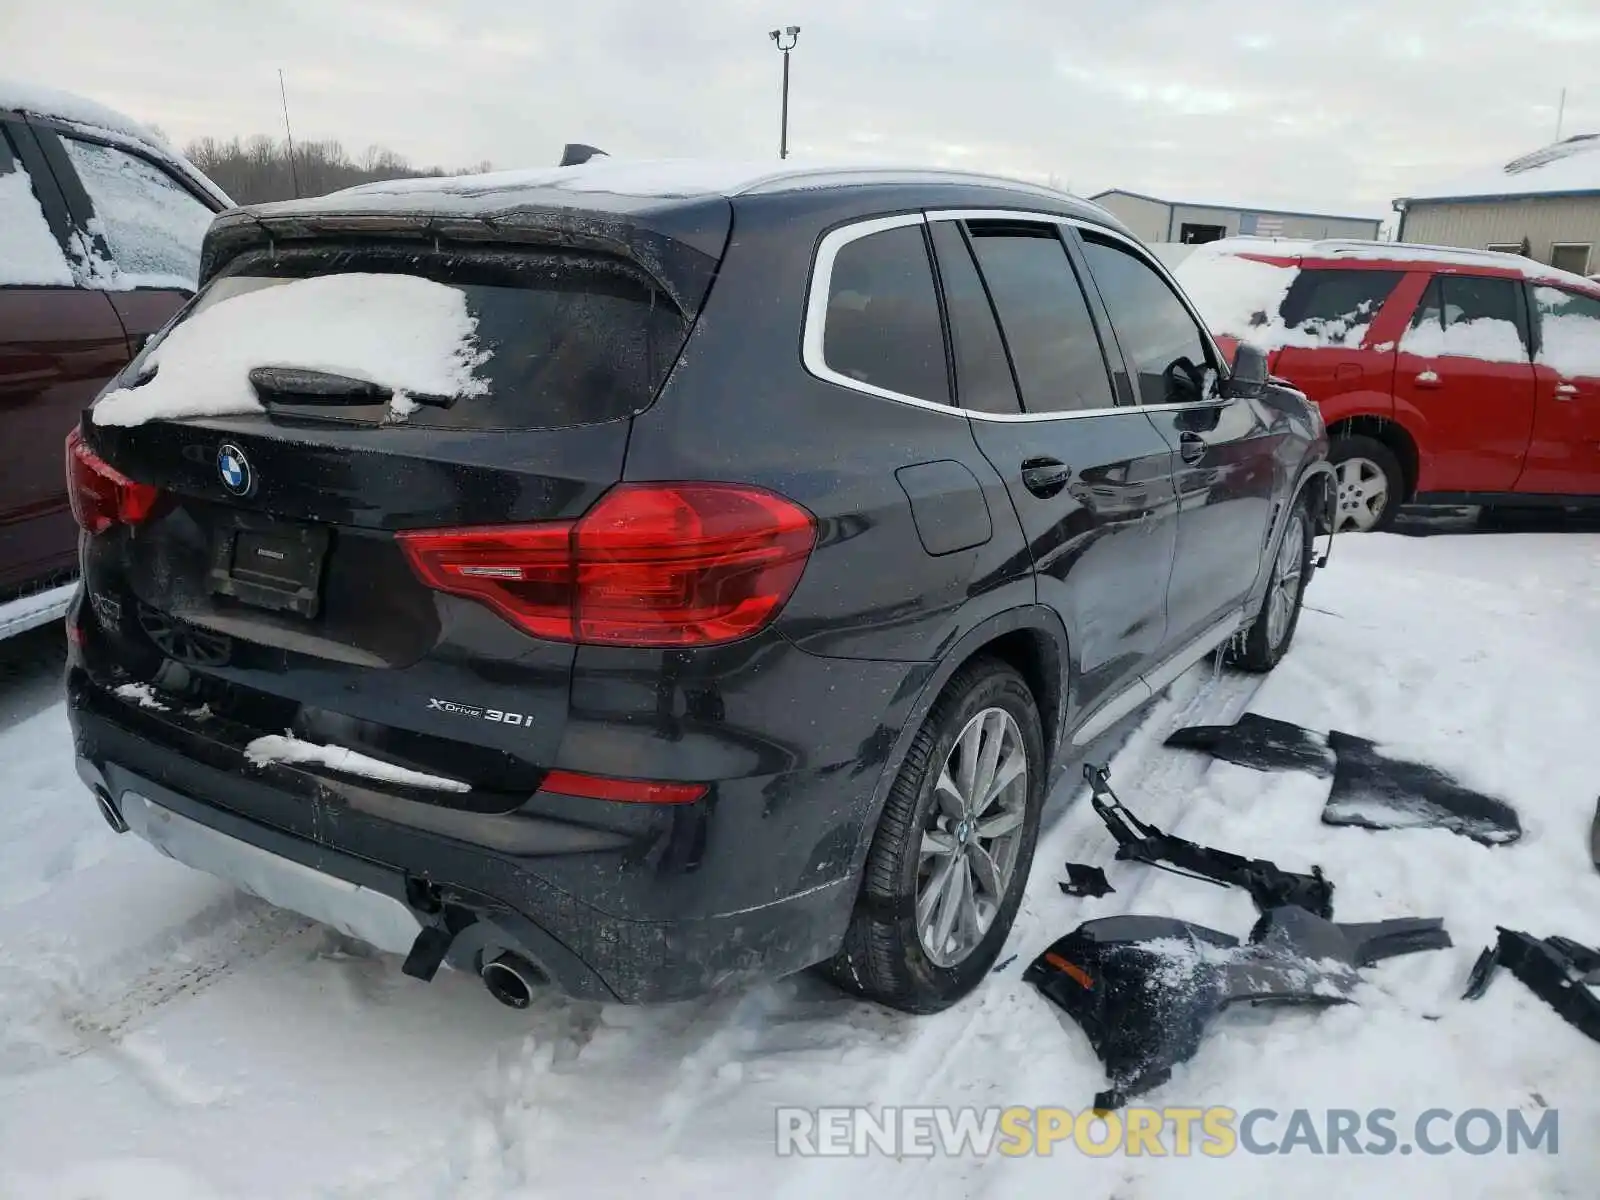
{"x": 1336, "y": 307}
{"x": 1470, "y": 316}
{"x": 1045, "y": 318}
{"x": 151, "y": 224}
{"x": 1156, "y": 331}
{"x": 558, "y": 339}
{"x": 983, "y": 374}
{"x": 1569, "y": 332}
{"x": 30, "y": 256}
{"x": 882, "y": 326}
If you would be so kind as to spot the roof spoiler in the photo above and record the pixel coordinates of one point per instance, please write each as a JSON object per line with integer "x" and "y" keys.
{"x": 665, "y": 246}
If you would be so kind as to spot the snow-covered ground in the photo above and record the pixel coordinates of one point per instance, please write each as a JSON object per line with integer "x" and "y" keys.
{"x": 162, "y": 1036}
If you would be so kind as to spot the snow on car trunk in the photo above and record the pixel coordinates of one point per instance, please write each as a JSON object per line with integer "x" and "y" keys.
{"x": 157, "y": 1031}
{"x": 408, "y": 334}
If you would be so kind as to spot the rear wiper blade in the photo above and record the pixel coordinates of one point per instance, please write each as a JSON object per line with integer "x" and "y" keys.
{"x": 301, "y": 385}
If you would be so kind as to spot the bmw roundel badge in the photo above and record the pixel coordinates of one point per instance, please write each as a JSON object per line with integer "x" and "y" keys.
{"x": 235, "y": 470}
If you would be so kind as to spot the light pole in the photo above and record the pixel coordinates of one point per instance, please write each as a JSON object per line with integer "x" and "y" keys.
{"x": 784, "y": 39}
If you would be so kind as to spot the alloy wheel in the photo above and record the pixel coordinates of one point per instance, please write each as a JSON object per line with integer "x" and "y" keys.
{"x": 972, "y": 838}
{"x": 1287, "y": 575}
{"x": 1363, "y": 494}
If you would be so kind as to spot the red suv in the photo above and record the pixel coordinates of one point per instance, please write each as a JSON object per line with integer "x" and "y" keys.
{"x": 1444, "y": 375}
{"x": 100, "y": 230}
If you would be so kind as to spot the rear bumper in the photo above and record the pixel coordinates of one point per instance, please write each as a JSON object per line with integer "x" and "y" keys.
{"x": 486, "y": 877}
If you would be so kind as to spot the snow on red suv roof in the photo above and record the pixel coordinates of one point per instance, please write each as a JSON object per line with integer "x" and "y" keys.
{"x": 1340, "y": 250}
{"x": 1235, "y": 280}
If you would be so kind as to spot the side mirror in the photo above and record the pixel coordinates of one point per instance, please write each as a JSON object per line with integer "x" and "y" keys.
{"x": 1249, "y": 377}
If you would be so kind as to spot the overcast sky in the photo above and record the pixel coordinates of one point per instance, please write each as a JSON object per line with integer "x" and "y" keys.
{"x": 1330, "y": 105}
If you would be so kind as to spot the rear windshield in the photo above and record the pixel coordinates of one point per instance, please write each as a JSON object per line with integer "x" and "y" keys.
{"x": 562, "y": 338}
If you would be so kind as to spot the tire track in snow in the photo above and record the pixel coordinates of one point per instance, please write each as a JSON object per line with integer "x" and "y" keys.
{"x": 54, "y": 1009}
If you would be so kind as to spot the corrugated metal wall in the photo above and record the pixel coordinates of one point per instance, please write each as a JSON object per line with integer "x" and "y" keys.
{"x": 1506, "y": 222}
{"x": 1147, "y": 218}
{"x": 1237, "y": 221}
{"x": 1153, "y": 221}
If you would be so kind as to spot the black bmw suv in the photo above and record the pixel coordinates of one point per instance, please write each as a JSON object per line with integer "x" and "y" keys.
{"x": 728, "y": 611}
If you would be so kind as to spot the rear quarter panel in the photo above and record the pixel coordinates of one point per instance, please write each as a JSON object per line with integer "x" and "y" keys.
{"x": 741, "y": 406}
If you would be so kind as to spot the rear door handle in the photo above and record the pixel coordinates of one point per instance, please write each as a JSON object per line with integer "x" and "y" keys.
{"x": 1044, "y": 477}
{"x": 1566, "y": 389}
{"x": 1192, "y": 447}
{"x": 1428, "y": 379}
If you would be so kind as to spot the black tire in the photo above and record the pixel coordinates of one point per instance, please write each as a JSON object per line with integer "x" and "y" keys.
{"x": 882, "y": 957}
{"x": 1356, "y": 445}
{"x": 1256, "y": 650}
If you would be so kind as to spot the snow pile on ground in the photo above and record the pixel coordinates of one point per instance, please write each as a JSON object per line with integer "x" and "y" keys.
{"x": 409, "y": 334}
{"x": 161, "y": 1034}
{"x": 29, "y": 252}
{"x": 285, "y": 748}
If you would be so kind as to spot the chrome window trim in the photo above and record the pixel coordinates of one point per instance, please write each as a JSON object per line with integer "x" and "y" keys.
{"x": 811, "y": 340}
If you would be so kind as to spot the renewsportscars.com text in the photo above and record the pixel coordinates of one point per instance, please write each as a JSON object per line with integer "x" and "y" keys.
{"x": 1160, "y": 1132}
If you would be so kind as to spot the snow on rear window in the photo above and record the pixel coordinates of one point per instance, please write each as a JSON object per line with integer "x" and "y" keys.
{"x": 1569, "y": 332}
{"x": 1238, "y": 297}
{"x": 1334, "y": 307}
{"x": 408, "y": 334}
{"x": 29, "y": 252}
{"x": 152, "y": 226}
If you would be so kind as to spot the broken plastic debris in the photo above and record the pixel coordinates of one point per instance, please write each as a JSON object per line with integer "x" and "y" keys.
{"x": 1269, "y": 885}
{"x": 1084, "y": 880}
{"x": 1370, "y": 789}
{"x": 1145, "y": 989}
{"x": 1558, "y": 970}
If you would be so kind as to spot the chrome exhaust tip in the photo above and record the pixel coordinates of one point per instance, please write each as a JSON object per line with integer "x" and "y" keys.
{"x": 511, "y": 980}
{"x": 108, "y": 810}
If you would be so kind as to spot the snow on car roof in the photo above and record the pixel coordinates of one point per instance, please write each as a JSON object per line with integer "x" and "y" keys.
{"x": 685, "y": 178}
{"x": 65, "y": 106}
{"x": 1562, "y": 168}
{"x": 1332, "y": 249}
{"x": 40, "y": 101}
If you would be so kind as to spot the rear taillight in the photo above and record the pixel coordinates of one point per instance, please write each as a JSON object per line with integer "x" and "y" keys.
{"x": 633, "y": 791}
{"x": 652, "y": 564}
{"x": 102, "y": 496}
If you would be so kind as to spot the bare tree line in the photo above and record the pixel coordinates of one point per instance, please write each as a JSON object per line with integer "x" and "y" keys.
{"x": 259, "y": 169}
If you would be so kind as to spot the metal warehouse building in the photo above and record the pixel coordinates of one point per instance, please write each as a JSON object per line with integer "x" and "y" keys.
{"x": 1155, "y": 220}
{"x": 1545, "y": 205}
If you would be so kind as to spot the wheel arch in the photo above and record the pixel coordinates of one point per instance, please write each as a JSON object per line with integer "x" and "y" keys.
{"x": 1316, "y": 483}
{"x": 1033, "y": 640}
{"x": 1392, "y": 434}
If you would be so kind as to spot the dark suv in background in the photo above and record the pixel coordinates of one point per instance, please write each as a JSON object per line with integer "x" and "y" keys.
{"x": 794, "y": 529}
{"x": 100, "y": 232}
